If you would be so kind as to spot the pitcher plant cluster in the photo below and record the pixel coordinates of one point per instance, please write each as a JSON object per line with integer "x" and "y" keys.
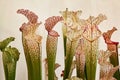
{"x": 80, "y": 43}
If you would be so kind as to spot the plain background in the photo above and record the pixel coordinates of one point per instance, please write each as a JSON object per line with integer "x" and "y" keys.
{"x": 10, "y": 23}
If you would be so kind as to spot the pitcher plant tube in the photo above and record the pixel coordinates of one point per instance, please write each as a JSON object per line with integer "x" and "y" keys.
{"x": 51, "y": 44}
{"x": 91, "y": 38}
{"x": 31, "y": 44}
{"x": 10, "y": 56}
{"x": 113, "y": 47}
{"x": 72, "y": 31}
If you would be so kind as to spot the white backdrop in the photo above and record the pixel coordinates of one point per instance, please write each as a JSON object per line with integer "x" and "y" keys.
{"x": 10, "y": 22}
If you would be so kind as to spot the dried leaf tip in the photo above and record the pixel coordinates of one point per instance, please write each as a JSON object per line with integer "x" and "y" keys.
{"x": 51, "y": 22}
{"x": 32, "y": 17}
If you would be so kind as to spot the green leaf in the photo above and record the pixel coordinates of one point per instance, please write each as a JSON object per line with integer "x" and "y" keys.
{"x": 5, "y": 42}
